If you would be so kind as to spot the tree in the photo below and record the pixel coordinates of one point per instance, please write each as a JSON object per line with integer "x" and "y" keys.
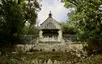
{"x": 87, "y": 20}
{"x": 13, "y": 16}
{"x": 30, "y": 10}
{"x": 32, "y": 30}
{"x": 11, "y": 22}
{"x": 67, "y": 29}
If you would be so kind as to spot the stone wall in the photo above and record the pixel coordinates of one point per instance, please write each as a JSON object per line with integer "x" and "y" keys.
{"x": 49, "y": 47}
{"x": 64, "y": 46}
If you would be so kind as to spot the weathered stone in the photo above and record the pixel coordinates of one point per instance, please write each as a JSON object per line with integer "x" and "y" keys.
{"x": 36, "y": 61}
{"x": 55, "y": 62}
{"x": 58, "y": 62}
{"x": 40, "y": 61}
{"x": 49, "y": 61}
{"x": 45, "y": 62}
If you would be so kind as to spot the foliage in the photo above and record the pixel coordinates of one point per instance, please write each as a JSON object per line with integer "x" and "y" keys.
{"x": 32, "y": 30}
{"x": 24, "y": 58}
{"x": 11, "y": 20}
{"x": 63, "y": 58}
{"x": 96, "y": 59}
{"x": 13, "y": 16}
{"x": 87, "y": 19}
{"x": 67, "y": 29}
{"x": 30, "y": 11}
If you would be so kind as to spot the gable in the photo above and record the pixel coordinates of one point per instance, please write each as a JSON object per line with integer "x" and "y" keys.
{"x": 50, "y": 26}
{"x": 50, "y": 23}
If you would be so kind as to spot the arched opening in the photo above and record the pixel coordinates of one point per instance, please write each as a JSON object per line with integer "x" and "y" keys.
{"x": 53, "y": 50}
{"x": 41, "y": 50}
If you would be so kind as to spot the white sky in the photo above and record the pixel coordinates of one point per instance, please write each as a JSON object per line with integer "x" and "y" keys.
{"x": 57, "y": 9}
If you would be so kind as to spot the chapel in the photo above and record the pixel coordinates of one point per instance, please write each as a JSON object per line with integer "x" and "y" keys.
{"x": 50, "y": 30}
{"x": 51, "y": 38}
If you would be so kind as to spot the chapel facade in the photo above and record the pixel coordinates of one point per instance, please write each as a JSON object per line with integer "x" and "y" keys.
{"x": 50, "y": 30}
{"x": 50, "y": 38}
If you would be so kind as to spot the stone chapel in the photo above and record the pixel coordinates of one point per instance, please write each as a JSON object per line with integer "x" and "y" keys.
{"x": 50, "y": 30}
{"x": 51, "y": 38}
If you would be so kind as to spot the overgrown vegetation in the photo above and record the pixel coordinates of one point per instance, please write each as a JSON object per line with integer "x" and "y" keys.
{"x": 44, "y": 56}
{"x": 13, "y": 16}
{"x": 22, "y": 58}
{"x": 67, "y": 28}
{"x": 86, "y": 18}
{"x": 95, "y": 59}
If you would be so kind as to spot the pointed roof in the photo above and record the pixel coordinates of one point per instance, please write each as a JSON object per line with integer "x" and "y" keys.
{"x": 50, "y": 23}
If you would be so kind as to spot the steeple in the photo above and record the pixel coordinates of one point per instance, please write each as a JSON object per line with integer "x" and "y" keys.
{"x": 50, "y": 15}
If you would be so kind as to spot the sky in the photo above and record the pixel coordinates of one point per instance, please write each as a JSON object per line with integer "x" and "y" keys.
{"x": 59, "y": 12}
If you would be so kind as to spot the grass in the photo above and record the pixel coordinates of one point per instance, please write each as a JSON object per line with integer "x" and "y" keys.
{"x": 53, "y": 56}
{"x": 23, "y": 58}
{"x": 95, "y": 59}
{"x": 44, "y": 56}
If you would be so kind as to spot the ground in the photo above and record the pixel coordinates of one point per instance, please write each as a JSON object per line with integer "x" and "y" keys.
{"x": 27, "y": 58}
